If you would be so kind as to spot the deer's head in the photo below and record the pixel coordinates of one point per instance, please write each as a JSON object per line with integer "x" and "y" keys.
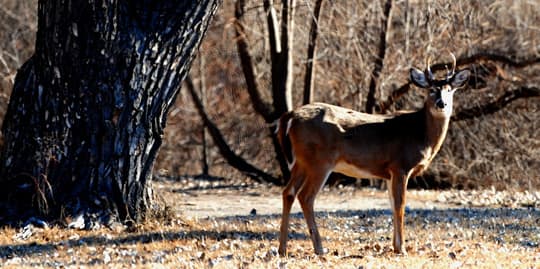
{"x": 441, "y": 91}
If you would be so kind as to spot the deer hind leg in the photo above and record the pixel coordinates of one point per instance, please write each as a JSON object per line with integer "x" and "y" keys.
{"x": 289, "y": 193}
{"x": 398, "y": 187}
{"x": 313, "y": 184}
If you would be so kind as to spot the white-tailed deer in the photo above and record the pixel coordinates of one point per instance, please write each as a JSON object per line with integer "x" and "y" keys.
{"x": 320, "y": 138}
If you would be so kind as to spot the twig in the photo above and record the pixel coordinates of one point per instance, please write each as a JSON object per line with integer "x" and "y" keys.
{"x": 500, "y": 103}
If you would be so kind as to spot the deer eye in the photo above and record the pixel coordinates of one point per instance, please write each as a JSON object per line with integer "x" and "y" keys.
{"x": 432, "y": 91}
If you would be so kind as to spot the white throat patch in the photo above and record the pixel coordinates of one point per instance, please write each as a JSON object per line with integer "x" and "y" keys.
{"x": 447, "y": 96}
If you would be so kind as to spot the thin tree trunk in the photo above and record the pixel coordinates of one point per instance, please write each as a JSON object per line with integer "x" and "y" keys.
{"x": 202, "y": 87}
{"x": 262, "y": 107}
{"x": 376, "y": 73}
{"x": 281, "y": 58}
{"x": 312, "y": 45}
{"x": 281, "y": 37}
{"x": 87, "y": 112}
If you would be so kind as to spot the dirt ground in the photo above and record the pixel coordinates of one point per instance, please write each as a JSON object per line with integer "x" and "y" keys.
{"x": 204, "y": 199}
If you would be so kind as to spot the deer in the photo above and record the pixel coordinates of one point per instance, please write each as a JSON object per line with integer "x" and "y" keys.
{"x": 319, "y": 138}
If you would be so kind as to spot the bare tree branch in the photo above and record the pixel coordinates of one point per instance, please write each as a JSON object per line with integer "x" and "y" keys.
{"x": 234, "y": 160}
{"x": 312, "y": 45}
{"x": 250, "y": 74}
{"x": 394, "y": 96}
{"x": 375, "y": 74}
{"x": 488, "y": 56}
{"x": 500, "y": 103}
{"x": 479, "y": 57}
{"x": 202, "y": 87}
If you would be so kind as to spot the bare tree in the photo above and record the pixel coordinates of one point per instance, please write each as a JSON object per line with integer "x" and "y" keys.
{"x": 281, "y": 36}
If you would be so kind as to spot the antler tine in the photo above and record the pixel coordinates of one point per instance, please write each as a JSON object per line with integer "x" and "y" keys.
{"x": 431, "y": 77}
{"x": 454, "y": 61}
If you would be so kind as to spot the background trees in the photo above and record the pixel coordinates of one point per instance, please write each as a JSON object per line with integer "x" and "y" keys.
{"x": 477, "y": 150}
{"x": 493, "y": 140}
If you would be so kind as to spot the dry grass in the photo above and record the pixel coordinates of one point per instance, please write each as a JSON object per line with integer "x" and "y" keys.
{"x": 471, "y": 238}
{"x": 492, "y": 237}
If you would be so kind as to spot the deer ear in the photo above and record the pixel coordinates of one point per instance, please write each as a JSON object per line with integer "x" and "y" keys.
{"x": 419, "y": 78}
{"x": 460, "y": 78}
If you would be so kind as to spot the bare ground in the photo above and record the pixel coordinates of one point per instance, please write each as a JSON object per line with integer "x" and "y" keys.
{"x": 213, "y": 199}
{"x": 215, "y": 225}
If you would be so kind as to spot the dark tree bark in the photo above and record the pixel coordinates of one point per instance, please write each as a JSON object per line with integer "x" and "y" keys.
{"x": 312, "y": 45}
{"x": 88, "y": 109}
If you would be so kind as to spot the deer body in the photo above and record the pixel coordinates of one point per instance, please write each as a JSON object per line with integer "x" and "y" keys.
{"x": 319, "y": 129}
{"x": 319, "y": 138}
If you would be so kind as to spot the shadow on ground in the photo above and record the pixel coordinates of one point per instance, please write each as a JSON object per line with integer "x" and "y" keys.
{"x": 491, "y": 221}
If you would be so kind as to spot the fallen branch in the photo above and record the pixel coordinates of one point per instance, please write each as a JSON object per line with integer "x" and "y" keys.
{"x": 232, "y": 159}
{"x": 500, "y": 103}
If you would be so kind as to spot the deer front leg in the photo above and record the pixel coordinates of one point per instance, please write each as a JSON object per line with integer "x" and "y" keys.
{"x": 306, "y": 197}
{"x": 398, "y": 187}
{"x": 289, "y": 194}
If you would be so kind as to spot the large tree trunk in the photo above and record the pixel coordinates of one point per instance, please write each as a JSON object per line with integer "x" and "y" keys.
{"x": 87, "y": 112}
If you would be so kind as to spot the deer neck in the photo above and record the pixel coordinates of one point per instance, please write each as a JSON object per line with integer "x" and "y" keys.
{"x": 436, "y": 128}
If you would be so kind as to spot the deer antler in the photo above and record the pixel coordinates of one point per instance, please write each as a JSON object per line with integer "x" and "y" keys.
{"x": 451, "y": 73}
{"x": 431, "y": 77}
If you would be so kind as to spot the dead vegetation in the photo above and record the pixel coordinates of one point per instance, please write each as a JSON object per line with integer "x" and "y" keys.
{"x": 440, "y": 240}
{"x": 474, "y": 237}
{"x": 499, "y": 45}
{"x": 500, "y": 149}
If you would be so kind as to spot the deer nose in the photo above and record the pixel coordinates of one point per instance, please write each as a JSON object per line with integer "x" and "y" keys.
{"x": 440, "y": 104}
